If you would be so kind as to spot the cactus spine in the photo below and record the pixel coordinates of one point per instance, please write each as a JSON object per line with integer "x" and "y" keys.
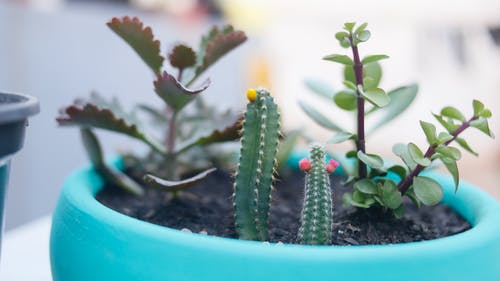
{"x": 316, "y": 220}
{"x": 254, "y": 176}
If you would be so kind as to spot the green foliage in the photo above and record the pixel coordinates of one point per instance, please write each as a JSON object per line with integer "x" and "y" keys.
{"x": 316, "y": 218}
{"x": 186, "y": 134}
{"x": 254, "y": 176}
{"x": 370, "y": 188}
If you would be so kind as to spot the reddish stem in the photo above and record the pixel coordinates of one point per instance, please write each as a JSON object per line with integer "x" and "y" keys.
{"x": 405, "y": 184}
{"x": 360, "y": 142}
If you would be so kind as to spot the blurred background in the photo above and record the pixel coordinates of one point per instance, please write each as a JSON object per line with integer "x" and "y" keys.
{"x": 58, "y": 50}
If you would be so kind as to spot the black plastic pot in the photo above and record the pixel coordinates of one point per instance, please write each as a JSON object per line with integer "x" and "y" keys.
{"x": 14, "y": 112}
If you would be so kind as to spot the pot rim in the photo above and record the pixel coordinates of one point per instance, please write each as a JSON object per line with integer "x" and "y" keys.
{"x": 22, "y": 107}
{"x": 476, "y": 206}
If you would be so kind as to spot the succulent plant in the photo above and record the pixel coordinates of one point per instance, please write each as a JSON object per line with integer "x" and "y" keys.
{"x": 370, "y": 186}
{"x": 184, "y": 131}
{"x": 255, "y": 174}
{"x": 316, "y": 219}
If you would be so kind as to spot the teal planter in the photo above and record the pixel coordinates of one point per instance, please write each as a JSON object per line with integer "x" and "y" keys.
{"x": 92, "y": 242}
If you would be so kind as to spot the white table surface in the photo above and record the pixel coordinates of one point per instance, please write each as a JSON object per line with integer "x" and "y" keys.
{"x": 25, "y": 252}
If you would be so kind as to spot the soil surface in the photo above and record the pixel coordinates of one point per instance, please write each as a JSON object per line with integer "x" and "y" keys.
{"x": 207, "y": 208}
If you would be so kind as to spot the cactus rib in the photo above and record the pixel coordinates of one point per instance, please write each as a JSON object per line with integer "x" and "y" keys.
{"x": 316, "y": 219}
{"x": 254, "y": 176}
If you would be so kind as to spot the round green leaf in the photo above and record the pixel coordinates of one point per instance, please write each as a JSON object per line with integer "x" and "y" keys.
{"x": 341, "y": 35}
{"x": 372, "y": 160}
{"x": 364, "y": 35}
{"x": 345, "y": 100}
{"x": 427, "y": 190}
{"x": 373, "y": 58}
{"x": 390, "y": 195}
{"x": 376, "y": 96}
{"x": 417, "y": 155}
{"x": 343, "y": 59}
{"x": 366, "y": 186}
{"x": 430, "y": 132}
{"x": 453, "y": 113}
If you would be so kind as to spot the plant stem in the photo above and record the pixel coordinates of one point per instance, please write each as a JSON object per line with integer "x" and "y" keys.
{"x": 360, "y": 142}
{"x": 405, "y": 184}
{"x": 179, "y": 75}
{"x": 170, "y": 146}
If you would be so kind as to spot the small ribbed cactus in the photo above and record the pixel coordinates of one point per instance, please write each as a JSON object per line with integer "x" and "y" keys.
{"x": 316, "y": 220}
{"x": 254, "y": 176}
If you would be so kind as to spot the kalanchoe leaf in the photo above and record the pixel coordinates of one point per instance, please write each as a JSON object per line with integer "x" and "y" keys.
{"x": 341, "y": 137}
{"x": 177, "y": 185}
{"x": 216, "y": 44}
{"x": 89, "y": 115}
{"x": 318, "y": 117}
{"x": 140, "y": 39}
{"x": 401, "y": 99}
{"x": 228, "y": 133}
{"x": 342, "y": 59}
{"x": 174, "y": 93}
{"x": 463, "y": 143}
{"x": 453, "y": 113}
{"x": 451, "y": 165}
{"x": 448, "y": 125}
{"x": 320, "y": 88}
{"x": 346, "y": 100}
{"x": 427, "y": 190}
{"x": 375, "y": 96}
{"x": 372, "y": 160}
{"x": 417, "y": 155}
{"x": 110, "y": 174}
{"x": 366, "y": 186}
{"x": 373, "y": 58}
{"x": 430, "y": 132}
{"x": 482, "y": 125}
{"x": 182, "y": 56}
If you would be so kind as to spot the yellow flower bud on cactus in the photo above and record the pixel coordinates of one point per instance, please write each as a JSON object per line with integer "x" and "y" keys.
{"x": 251, "y": 94}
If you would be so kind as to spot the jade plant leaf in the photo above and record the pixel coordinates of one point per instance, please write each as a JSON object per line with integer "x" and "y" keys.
{"x": 417, "y": 155}
{"x": 401, "y": 98}
{"x": 140, "y": 38}
{"x": 94, "y": 151}
{"x": 90, "y": 115}
{"x": 372, "y": 70}
{"x": 174, "y": 93}
{"x": 482, "y": 125}
{"x": 177, "y": 185}
{"x": 375, "y": 96}
{"x": 216, "y": 44}
{"x": 453, "y": 113}
{"x": 320, "y": 88}
{"x": 430, "y": 132}
{"x": 318, "y": 117}
{"x": 449, "y": 125}
{"x": 451, "y": 166}
{"x": 401, "y": 150}
{"x": 463, "y": 143}
{"x": 366, "y": 186}
{"x": 341, "y": 137}
{"x": 373, "y": 58}
{"x": 346, "y": 100}
{"x": 372, "y": 160}
{"x": 427, "y": 190}
{"x": 391, "y": 197}
{"x": 342, "y": 59}
{"x": 182, "y": 56}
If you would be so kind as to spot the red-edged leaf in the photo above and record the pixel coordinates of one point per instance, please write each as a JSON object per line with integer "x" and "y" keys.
{"x": 182, "y": 56}
{"x": 228, "y": 133}
{"x": 177, "y": 185}
{"x": 90, "y": 115}
{"x": 174, "y": 93}
{"x": 140, "y": 39}
{"x": 216, "y": 44}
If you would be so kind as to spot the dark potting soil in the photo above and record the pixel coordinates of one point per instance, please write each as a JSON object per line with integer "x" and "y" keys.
{"x": 207, "y": 207}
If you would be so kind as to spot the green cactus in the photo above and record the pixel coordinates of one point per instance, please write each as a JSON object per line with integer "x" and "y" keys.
{"x": 316, "y": 220}
{"x": 254, "y": 176}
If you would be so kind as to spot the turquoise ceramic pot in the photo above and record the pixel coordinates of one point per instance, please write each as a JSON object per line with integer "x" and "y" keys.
{"x": 92, "y": 242}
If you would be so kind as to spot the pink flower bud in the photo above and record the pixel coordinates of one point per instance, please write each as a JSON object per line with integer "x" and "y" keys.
{"x": 305, "y": 164}
{"x": 331, "y": 166}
